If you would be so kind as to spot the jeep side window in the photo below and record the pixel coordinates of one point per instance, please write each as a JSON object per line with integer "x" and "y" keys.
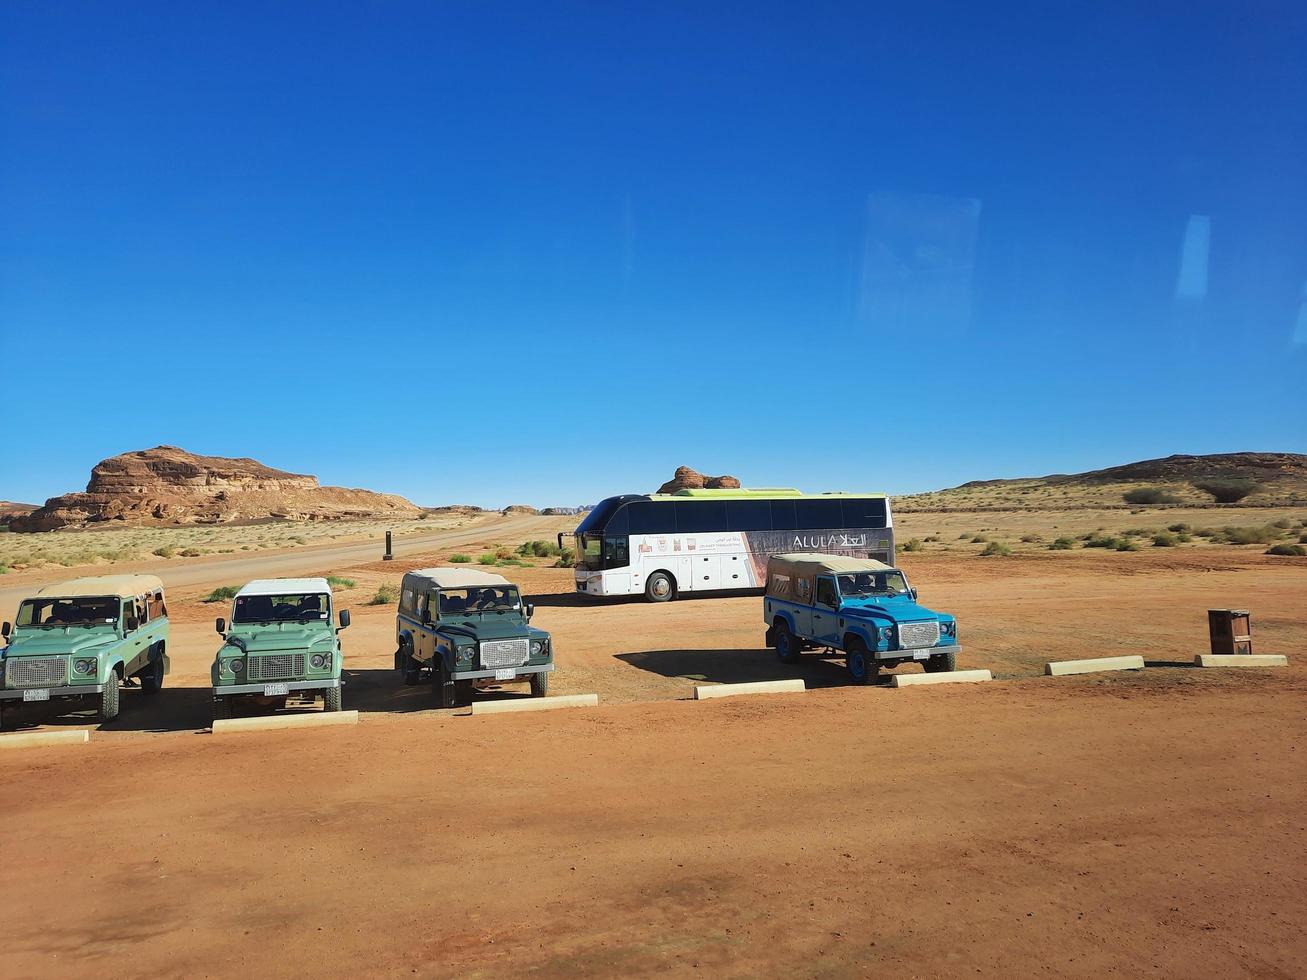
{"x": 826, "y": 593}
{"x": 423, "y": 609}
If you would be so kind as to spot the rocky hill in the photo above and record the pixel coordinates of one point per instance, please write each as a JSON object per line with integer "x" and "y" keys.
{"x": 169, "y": 486}
{"x": 9, "y": 510}
{"x": 687, "y": 479}
{"x": 1251, "y": 479}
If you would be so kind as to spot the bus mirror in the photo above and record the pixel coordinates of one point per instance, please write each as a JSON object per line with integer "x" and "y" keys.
{"x": 221, "y": 626}
{"x": 344, "y": 618}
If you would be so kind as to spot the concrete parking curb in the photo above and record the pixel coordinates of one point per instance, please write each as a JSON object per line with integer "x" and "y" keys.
{"x": 22, "y": 740}
{"x": 756, "y": 687}
{"x": 535, "y": 704}
{"x": 1241, "y": 660}
{"x": 229, "y": 726}
{"x": 1064, "y": 667}
{"x": 947, "y": 677}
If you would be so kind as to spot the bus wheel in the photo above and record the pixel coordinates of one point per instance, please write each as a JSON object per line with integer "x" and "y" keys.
{"x": 658, "y": 587}
{"x": 787, "y": 647}
{"x": 863, "y": 668}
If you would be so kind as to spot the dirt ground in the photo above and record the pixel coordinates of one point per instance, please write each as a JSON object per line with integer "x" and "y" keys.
{"x": 1147, "y": 823}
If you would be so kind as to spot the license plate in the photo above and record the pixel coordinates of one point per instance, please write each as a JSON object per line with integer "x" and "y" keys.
{"x": 506, "y": 674}
{"x": 37, "y": 694}
{"x": 275, "y": 690}
{"x": 920, "y": 654}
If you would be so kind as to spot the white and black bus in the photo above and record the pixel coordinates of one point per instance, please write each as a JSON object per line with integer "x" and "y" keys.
{"x": 713, "y": 540}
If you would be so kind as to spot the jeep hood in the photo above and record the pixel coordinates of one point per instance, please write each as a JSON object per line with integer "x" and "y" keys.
{"x": 276, "y": 637}
{"x": 62, "y": 640}
{"x": 895, "y": 609}
{"x": 489, "y": 628}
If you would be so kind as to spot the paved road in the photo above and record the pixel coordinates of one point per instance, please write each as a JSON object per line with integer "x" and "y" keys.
{"x": 236, "y": 569}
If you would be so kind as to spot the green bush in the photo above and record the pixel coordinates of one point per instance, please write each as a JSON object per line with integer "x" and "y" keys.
{"x": 488, "y": 558}
{"x": 4, "y": 569}
{"x": 387, "y": 595}
{"x": 1249, "y": 535}
{"x": 979, "y": 539}
{"x": 1179, "y": 528}
{"x": 996, "y": 549}
{"x": 1302, "y": 539}
{"x": 1062, "y": 544}
{"x": 566, "y": 558}
{"x": 191, "y": 553}
{"x": 538, "y": 549}
{"x": 164, "y": 552}
{"x": 1126, "y": 546}
{"x": 1150, "y": 495}
{"x": 1227, "y": 491}
{"x": 460, "y": 559}
{"x": 223, "y": 593}
{"x": 1032, "y": 538}
{"x": 340, "y": 583}
{"x": 1164, "y": 539}
{"x": 914, "y": 545}
{"x": 1282, "y": 523}
{"x": 1101, "y": 541}
{"x": 1292, "y": 550}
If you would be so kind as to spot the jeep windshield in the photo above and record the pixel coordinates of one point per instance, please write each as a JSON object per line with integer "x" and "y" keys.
{"x": 296, "y": 608}
{"x": 472, "y": 601}
{"x": 53, "y": 612}
{"x": 858, "y": 584}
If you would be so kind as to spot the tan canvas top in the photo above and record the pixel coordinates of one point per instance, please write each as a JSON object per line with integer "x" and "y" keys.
{"x": 792, "y": 576}
{"x": 452, "y": 578}
{"x": 123, "y": 586}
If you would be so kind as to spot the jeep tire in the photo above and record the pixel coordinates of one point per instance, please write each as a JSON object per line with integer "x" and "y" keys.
{"x": 540, "y": 684}
{"x": 942, "y": 663}
{"x": 409, "y": 668}
{"x": 862, "y": 666}
{"x": 659, "y": 587}
{"x": 785, "y": 643}
{"x": 446, "y": 694}
{"x": 221, "y": 708}
{"x": 109, "y": 698}
{"x": 152, "y": 676}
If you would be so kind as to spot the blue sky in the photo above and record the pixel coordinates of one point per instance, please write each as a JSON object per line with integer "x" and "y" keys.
{"x": 546, "y": 253}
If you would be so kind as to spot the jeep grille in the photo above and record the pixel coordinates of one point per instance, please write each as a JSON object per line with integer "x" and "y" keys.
{"x": 275, "y": 667}
{"x": 504, "y": 653}
{"x": 36, "y": 671}
{"x": 918, "y": 634}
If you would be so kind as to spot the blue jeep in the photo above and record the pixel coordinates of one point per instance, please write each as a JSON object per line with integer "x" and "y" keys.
{"x": 865, "y": 609}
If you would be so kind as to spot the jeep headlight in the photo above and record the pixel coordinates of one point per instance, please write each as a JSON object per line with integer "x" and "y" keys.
{"x": 949, "y": 628}
{"x": 84, "y": 667}
{"x": 233, "y": 666}
{"x": 537, "y": 647}
{"x": 467, "y": 653}
{"x": 320, "y": 661}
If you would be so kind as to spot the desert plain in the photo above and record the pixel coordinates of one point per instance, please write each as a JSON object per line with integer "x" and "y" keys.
{"x": 1126, "y": 823}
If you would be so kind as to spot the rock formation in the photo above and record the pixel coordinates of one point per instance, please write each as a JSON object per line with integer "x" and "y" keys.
{"x": 520, "y": 509}
{"x": 687, "y": 479}
{"x": 167, "y": 485}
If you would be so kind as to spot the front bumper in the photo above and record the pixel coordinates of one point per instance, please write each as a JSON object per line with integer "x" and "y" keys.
{"x": 471, "y": 675}
{"x": 917, "y": 653}
{"x": 70, "y": 691}
{"x": 321, "y": 685}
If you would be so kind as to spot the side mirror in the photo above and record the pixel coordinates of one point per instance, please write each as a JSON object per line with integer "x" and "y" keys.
{"x": 221, "y": 626}
{"x": 132, "y": 624}
{"x": 426, "y": 616}
{"x": 913, "y": 593}
{"x": 530, "y": 610}
{"x": 5, "y": 630}
{"x": 344, "y": 618}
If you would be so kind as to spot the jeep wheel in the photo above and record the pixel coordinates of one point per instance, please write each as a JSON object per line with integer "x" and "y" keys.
{"x": 658, "y": 587}
{"x": 785, "y": 644}
{"x": 443, "y": 684}
{"x": 152, "y": 676}
{"x": 221, "y": 708}
{"x": 409, "y": 668}
{"x": 942, "y": 663}
{"x": 331, "y": 698}
{"x": 863, "y": 668}
{"x": 540, "y": 684}
{"x": 109, "y": 699}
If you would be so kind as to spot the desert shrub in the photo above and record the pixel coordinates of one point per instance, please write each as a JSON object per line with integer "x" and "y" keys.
{"x": 335, "y": 581}
{"x": 1032, "y": 538}
{"x": 191, "y": 553}
{"x": 914, "y": 545}
{"x": 1062, "y": 544}
{"x": 164, "y": 552}
{"x": 1178, "y": 528}
{"x": 1206, "y": 532}
{"x": 1101, "y": 541}
{"x": 933, "y": 537}
{"x": 1249, "y": 535}
{"x": 1124, "y": 545}
{"x": 387, "y": 595}
{"x": 1164, "y": 539}
{"x": 566, "y": 558}
{"x": 1282, "y": 523}
{"x": 504, "y": 554}
{"x": 1183, "y": 538}
{"x": 964, "y": 535}
{"x": 1293, "y": 550}
{"x": 979, "y": 539}
{"x": 460, "y": 559}
{"x": 1302, "y": 539}
{"x": 488, "y": 558}
{"x": 4, "y": 569}
{"x": 223, "y": 593}
{"x": 1227, "y": 491}
{"x": 1150, "y": 495}
{"x": 996, "y": 549}
{"x": 300, "y": 540}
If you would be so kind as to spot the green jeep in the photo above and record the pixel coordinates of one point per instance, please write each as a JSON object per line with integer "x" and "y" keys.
{"x": 281, "y": 644}
{"x": 462, "y": 628}
{"x": 86, "y": 638}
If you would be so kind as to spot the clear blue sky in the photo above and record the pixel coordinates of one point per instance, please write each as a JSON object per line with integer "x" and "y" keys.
{"x": 545, "y": 253}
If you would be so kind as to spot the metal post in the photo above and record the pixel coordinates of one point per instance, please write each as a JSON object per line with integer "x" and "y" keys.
{"x": 388, "y": 556}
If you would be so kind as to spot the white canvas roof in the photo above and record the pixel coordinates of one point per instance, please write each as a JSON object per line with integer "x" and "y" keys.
{"x": 813, "y": 564}
{"x": 285, "y": 586}
{"x": 455, "y": 578}
{"x": 123, "y": 586}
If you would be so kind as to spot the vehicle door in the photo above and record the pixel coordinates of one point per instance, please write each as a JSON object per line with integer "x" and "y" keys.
{"x": 801, "y": 606}
{"x": 424, "y": 611}
{"x": 134, "y": 629}
{"x": 825, "y": 615}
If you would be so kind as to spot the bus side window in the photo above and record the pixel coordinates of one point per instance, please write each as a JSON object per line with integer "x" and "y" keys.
{"x": 782, "y": 515}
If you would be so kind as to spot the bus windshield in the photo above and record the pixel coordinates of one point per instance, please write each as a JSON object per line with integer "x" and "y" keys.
{"x": 886, "y": 583}
{"x": 69, "y": 612}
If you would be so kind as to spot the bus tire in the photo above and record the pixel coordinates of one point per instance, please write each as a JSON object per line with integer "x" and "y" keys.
{"x": 862, "y": 666}
{"x": 786, "y": 645}
{"x": 109, "y": 699}
{"x": 942, "y": 663}
{"x": 659, "y": 587}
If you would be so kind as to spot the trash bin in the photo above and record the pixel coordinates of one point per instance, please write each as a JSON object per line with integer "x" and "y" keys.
{"x": 1231, "y": 631}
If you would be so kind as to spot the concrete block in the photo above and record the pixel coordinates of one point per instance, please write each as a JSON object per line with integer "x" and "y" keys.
{"x": 756, "y": 687}
{"x": 535, "y": 704}
{"x": 1063, "y": 667}
{"x": 948, "y": 677}
{"x": 228, "y": 726}
{"x": 1241, "y": 660}
{"x": 21, "y": 740}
